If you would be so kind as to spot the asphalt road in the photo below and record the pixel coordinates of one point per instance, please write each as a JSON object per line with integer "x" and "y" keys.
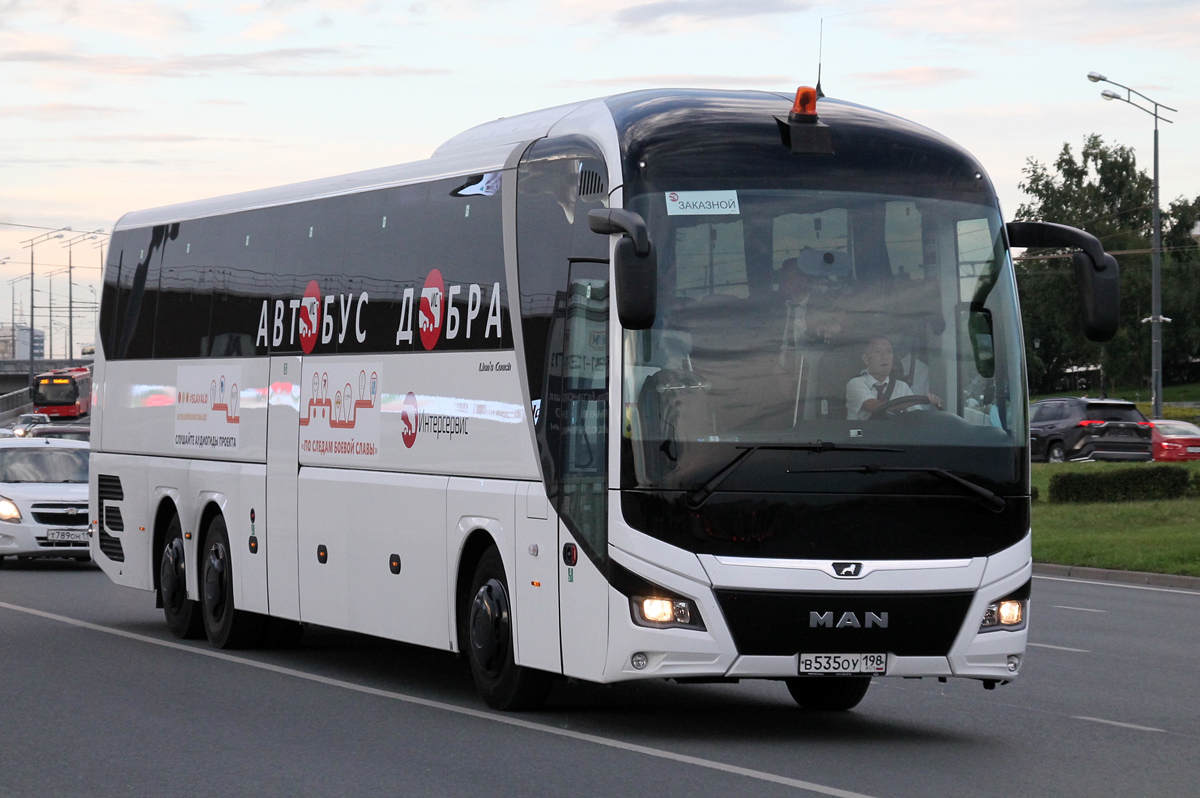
{"x": 96, "y": 698}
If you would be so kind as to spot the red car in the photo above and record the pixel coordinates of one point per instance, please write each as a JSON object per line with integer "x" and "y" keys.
{"x": 1176, "y": 440}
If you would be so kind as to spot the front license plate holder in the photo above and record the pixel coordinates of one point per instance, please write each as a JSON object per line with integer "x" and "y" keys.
{"x": 73, "y": 535}
{"x": 842, "y": 664}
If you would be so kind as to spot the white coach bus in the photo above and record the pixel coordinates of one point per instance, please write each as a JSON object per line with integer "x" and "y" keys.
{"x": 400, "y": 402}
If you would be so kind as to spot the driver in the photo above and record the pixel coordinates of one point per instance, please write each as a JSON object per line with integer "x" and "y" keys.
{"x": 870, "y": 390}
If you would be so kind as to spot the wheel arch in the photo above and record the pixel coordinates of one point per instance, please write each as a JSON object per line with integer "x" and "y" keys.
{"x": 476, "y": 543}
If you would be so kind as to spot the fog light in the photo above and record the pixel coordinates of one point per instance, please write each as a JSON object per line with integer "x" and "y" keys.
{"x": 639, "y": 661}
{"x": 1010, "y": 613}
{"x": 1014, "y": 662}
{"x": 658, "y": 610}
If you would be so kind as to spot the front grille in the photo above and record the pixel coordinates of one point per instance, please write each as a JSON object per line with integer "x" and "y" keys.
{"x": 778, "y": 624}
{"x": 60, "y": 514}
{"x": 109, "y": 488}
{"x": 111, "y": 547}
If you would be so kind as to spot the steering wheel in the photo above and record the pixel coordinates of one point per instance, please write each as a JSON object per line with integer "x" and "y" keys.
{"x": 900, "y": 403}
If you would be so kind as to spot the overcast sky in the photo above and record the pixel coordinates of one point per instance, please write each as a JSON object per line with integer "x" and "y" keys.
{"x": 109, "y": 107}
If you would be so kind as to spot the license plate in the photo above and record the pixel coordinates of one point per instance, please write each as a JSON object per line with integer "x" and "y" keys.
{"x": 843, "y": 663}
{"x": 78, "y": 535}
{"x": 1194, "y": 450}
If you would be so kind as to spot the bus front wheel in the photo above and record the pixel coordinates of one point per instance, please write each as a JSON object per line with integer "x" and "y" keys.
{"x": 225, "y": 625}
{"x": 829, "y": 693}
{"x": 488, "y": 641}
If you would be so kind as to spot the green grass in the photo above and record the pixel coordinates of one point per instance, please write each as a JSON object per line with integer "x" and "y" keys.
{"x": 1161, "y": 537}
{"x": 1188, "y": 392}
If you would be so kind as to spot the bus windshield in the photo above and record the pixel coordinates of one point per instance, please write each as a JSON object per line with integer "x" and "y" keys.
{"x": 802, "y": 317}
{"x": 55, "y": 391}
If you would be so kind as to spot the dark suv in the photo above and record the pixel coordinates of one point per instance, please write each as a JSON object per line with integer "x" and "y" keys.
{"x": 1088, "y": 429}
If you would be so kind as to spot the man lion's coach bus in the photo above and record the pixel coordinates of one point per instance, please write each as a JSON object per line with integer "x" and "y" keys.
{"x": 671, "y": 384}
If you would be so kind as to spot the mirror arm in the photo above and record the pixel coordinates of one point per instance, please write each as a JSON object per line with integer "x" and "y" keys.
{"x": 1048, "y": 235}
{"x": 614, "y": 221}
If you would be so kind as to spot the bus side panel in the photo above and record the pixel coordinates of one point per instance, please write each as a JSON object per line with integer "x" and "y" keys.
{"x": 535, "y": 595}
{"x": 401, "y": 519}
{"x": 328, "y": 499}
{"x": 209, "y": 409}
{"x": 123, "y": 526}
{"x": 277, "y": 526}
{"x": 238, "y": 489}
{"x": 583, "y": 604}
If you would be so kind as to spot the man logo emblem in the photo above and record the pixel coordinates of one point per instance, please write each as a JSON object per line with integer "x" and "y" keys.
{"x": 847, "y": 570}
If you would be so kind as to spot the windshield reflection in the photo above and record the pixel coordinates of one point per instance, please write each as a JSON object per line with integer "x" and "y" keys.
{"x": 806, "y": 316}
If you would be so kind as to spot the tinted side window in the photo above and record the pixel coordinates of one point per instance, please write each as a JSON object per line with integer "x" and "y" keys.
{"x": 241, "y": 278}
{"x": 558, "y": 182}
{"x": 185, "y": 290}
{"x": 129, "y": 258}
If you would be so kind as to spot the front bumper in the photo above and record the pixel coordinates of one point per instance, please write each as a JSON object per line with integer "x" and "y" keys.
{"x": 951, "y": 595}
{"x": 32, "y": 540}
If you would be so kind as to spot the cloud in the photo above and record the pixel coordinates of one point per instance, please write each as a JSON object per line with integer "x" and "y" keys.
{"x": 704, "y": 10}
{"x": 277, "y": 62}
{"x": 60, "y": 112}
{"x": 150, "y": 138}
{"x": 911, "y": 77}
{"x": 684, "y": 80}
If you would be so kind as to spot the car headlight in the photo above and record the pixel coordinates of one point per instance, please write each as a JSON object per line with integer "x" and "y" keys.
{"x": 1010, "y": 613}
{"x": 9, "y": 511}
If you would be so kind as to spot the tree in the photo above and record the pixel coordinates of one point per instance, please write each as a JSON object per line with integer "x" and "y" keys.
{"x": 1105, "y": 193}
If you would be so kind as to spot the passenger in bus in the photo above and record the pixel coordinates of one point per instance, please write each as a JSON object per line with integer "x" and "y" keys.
{"x": 877, "y": 385}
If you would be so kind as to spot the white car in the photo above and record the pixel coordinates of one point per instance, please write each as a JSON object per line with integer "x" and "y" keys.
{"x": 27, "y": 420}
{"x": 44, "y": 498}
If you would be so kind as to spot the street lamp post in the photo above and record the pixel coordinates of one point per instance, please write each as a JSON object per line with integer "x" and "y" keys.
{"x": 71, "y": 286}
{"x": 1156, "y": 318}
{"x": 31, "y": 243}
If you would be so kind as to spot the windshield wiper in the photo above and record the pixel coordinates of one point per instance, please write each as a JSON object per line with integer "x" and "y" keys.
{"x": 984, "y": 496}
{"x": 701, "y": 494}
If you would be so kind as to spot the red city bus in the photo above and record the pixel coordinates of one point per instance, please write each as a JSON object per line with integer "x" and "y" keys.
{"x": 65, "y": 393}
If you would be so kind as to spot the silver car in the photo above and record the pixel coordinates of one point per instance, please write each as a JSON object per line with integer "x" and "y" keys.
{"x": 43, "y": 498}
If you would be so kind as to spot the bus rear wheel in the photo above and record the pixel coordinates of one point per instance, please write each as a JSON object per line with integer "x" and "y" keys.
{"x": 829, "y": 693}
{"x": 487, "y": 638}
{"x": 225, "y": 625}
{"x": 182, "y": 614}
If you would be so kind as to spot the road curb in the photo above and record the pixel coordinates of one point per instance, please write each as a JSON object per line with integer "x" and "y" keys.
{"x": 1123, "y": 577}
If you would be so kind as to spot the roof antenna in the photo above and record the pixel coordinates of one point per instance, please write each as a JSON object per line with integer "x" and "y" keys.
{"x": 820, "y": 57}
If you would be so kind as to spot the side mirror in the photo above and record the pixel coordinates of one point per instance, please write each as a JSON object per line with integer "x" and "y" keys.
{"x": 635, "y": 263}
{"x": 1097, "y": 274}
{"x": 979, "y": 328}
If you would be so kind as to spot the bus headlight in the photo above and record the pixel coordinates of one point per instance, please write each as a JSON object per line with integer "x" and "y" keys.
{"x": 9, "y": 511}
{"x": 1008, "y": 613}
{"x": 665, "y": 613}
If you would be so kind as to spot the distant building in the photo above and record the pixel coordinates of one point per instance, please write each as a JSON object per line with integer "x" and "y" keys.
{"x": 21, "y": 339}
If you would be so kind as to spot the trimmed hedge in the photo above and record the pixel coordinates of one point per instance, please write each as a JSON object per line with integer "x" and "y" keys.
{"x": 1142, "y": 483}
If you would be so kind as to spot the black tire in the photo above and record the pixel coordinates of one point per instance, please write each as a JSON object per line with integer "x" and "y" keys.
{"x": 486, "y": 636}
{"x": 182, "y": 614}
{"x": 225, "y": 625}
{"x": 829, "y": 693}
{"x": 1055, "y": 453}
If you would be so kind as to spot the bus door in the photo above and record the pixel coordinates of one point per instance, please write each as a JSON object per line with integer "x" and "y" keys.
{"x": 582, "y": 478}
{"x": 283, "y": 466}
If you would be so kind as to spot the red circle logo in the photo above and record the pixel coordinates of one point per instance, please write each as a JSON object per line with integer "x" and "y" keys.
{"x": 310, "y": 316}
{"x": 431, "y": 312}
{"x": 408, "y": 420}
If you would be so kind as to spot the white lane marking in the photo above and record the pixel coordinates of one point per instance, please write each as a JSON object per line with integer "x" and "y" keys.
{"x": 1059, "y": 648}
{"x": 659, "y": 753}
{"x": 1119, "y": 584}
{"x": 1077, "y": 609}
{"x": 1119, "y": 723}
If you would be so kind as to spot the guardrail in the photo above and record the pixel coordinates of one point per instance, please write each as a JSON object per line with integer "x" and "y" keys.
{"x": 40, "y": 365}
{"x": 14, "y": 404}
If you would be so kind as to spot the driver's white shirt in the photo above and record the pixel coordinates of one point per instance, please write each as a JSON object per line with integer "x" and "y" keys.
{"x": 862, "y": 388}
